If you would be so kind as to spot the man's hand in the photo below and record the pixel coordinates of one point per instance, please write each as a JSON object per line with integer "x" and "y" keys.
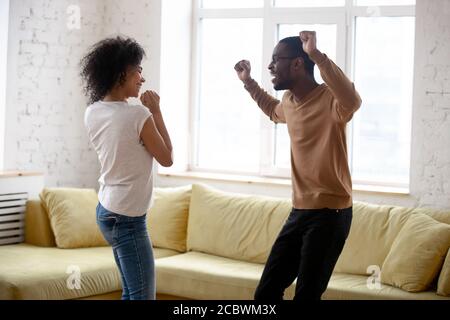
{"x": 150, "y": 99}
{"x": 243, "y": 69}
{"x": 308, "y": 39}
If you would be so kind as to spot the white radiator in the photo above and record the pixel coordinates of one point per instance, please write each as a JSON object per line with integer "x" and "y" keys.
{"x": 15, "y": 189}
{"x": 12, "y": 217}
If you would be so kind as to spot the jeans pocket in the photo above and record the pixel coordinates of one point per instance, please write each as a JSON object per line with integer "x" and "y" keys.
{"x": 104, "y": 214}
{"x": 106, "y": 217}
{"x": 107, "y": 223}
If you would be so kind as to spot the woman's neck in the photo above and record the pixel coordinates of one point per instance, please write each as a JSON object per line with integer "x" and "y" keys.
{"x": 115, "y": 95}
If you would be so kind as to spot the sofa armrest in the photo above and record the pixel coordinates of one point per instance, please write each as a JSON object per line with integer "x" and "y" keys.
{"x": 38, "y": 231}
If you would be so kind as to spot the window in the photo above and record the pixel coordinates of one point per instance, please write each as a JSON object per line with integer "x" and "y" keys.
{"x": 222, "y": 100}
{"x": 309, "y": 3}
{"x": 371, "y": 40}
{"x": 381, "y": 130}
{"x": 209, "y": 4}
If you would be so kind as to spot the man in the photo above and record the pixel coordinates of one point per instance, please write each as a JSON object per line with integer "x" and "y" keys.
{"x": 314, "y": 234}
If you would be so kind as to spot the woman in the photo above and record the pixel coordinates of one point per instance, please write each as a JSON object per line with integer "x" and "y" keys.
{"x": 126, "y": 138}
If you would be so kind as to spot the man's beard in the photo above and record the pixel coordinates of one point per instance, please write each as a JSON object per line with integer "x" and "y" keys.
{"x": 285, "y": 85}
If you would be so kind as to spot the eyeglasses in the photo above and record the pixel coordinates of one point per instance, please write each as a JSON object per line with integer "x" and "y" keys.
{"x": 275, "y": 59}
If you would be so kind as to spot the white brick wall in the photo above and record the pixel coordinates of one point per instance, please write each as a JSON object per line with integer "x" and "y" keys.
{"x": 44, "y": 101}
{"x": 45, "y": 104}
{"x": 430, "y": 165}
{"x": 44, "y": 129}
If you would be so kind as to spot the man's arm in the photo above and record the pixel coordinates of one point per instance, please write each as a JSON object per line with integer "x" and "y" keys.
{"x": 268, "y": 104}
{"x": 341, "y": 87}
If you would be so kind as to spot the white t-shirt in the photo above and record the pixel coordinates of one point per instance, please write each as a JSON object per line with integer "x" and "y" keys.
{"x": 126, "y": 180}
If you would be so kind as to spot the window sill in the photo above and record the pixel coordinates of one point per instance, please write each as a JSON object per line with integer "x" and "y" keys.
{"x": 227, "y": 177}
{"x": 275, "y": 181}
{"x": 380, "y": 189}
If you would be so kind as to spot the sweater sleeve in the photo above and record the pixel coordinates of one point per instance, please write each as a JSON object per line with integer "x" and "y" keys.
{"x": 341, "y": 87}
{"x": 269, "y": 105}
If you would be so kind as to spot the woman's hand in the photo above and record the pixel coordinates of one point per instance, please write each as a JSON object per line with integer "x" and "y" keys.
{"x": 150, "y": 99}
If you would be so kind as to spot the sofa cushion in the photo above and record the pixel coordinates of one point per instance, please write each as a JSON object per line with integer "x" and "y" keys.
{"x": 373, "y": 230}
{"x": 443, "y": 287}
{"x": 36, "y": 273}
{"x": 438, "y": 215}
{"x": 234, "y": 225}
{"x": 344, "y": 286}
{"x": 72, "y": 217}
{"x": 168, "y": 217}
{"x": 417, "y": 254}
{"x": 38, "y": 230}
{"x": 185, "y": 276}
{"x": 196, "y": 275}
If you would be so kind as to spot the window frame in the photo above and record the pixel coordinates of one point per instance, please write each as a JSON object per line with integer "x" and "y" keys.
{"x": 353, "y": 12}
{"x": 345, "y": 19}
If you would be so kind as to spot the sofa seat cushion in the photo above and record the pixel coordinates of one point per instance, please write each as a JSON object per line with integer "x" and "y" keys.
{"x": 196, "y": 275}
{"x": 343, "y": 286}
{"x": 201, "y": 276}
{"x": 35, "y": 273}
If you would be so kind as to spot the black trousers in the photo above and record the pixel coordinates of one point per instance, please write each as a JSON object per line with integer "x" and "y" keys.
{"x": 307, "y": 248}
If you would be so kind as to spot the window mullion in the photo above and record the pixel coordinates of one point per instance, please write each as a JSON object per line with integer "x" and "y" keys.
{"x": 195, "y": 87}
{"x": 349, "y": 69}
{"x": 267, "y": 142}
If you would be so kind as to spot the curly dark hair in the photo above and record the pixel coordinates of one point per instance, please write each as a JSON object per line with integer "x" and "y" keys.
{"x": 106, "y": 64}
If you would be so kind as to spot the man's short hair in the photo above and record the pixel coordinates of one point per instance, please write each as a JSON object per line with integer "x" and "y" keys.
{"x": 295, "y": 49}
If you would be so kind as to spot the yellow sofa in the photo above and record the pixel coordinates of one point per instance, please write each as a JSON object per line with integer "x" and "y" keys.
{"x": 210, "y": 244}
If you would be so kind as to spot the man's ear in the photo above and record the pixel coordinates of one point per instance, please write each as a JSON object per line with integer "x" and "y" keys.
{"x": 298, "y": 64}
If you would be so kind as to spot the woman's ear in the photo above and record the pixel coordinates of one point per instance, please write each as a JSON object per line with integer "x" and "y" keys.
{"x": 122, "y": 79}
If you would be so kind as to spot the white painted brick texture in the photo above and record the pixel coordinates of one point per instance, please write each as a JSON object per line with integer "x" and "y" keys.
{"x": 45, "y": 130}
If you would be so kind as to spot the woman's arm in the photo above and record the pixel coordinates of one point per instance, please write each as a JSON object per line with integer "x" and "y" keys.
{"x": 154, "y": 133}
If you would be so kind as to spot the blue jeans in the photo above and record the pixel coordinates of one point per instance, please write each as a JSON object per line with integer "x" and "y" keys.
{"x": 133, "y": 252}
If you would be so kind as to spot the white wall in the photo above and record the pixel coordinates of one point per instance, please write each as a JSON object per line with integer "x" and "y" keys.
{"x": 4, "y": 21}
{"x": 44, "y": 128}
{"x": 45, "y": 102}
{"x": 430, "y": 167}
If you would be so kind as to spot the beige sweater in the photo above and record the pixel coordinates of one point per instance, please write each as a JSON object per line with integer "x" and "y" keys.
{"x": 316, "y": 125}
